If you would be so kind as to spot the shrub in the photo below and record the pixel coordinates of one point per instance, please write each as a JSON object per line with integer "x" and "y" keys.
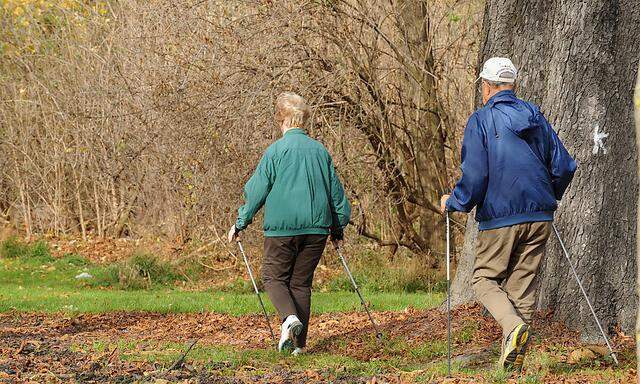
{"x": 40, "y": 251}
{"x": 241, "y": 285}
{"x": 375, "y": 273}
{"x": 140, "y": 271}
{"x": 413, "y": 275}
{"x": 13, "y": 248}
{"x": 74, "y": 260}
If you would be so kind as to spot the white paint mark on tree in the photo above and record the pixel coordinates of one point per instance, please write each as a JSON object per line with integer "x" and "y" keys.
{"x": 598, "y": 138}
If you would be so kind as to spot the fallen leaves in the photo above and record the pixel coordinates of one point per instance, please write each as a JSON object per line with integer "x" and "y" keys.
{"x": 581, "y": 355}
{"x": 600, "y": 350}
{"x": 40, "y": 347}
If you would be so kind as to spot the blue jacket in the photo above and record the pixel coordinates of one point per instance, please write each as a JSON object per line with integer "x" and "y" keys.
{"x": 514, "y": 166}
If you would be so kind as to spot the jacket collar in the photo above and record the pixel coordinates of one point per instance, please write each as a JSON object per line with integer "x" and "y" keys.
{"x": 295, "y": 131}
{"x": 502, "y": 96}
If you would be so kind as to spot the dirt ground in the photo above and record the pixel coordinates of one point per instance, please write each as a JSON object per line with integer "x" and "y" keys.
{"x": 40, "y": 347}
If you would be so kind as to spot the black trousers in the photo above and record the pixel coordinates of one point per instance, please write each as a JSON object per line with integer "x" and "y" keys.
{"x": 287, "y": 272}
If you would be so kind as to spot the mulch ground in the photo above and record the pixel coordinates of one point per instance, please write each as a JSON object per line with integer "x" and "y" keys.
{"x": 39, "y": 347}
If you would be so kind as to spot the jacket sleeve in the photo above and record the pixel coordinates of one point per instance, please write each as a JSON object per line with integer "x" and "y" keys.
{"x": 256, "y": 190}
{"x": 340, "y": 207}
{"x": 560, "y": 164}
{"x": 472, "y": 186}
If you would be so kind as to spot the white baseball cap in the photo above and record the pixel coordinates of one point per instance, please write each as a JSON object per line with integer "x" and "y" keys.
{"x": 499, "y": 69}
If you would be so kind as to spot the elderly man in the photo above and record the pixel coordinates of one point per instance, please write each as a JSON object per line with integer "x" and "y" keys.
{"x": 514, "y": 169}
{"x": 304, "y": 203}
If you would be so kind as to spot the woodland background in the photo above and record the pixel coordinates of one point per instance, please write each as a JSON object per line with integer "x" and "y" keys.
{"x": 137, "y": 119}
{"x": 128, "y": 128}
{"x": 139, "y": 122}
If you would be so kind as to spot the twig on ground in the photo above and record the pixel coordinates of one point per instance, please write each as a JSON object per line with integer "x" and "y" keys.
{"x": 111, "y": 355}
{"x": 178, "y": 363}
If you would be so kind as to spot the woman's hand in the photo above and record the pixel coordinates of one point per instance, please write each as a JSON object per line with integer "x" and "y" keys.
{"x": 233, "y": 233}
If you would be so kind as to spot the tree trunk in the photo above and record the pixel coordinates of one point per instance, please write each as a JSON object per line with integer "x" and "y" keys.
{"x": 578, "y": 61}
{"x": 461, "y": 291}
{"x": 422, "y": 91}
{"x": 636, "y": 103}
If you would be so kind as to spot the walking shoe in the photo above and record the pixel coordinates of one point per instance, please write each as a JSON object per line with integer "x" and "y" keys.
{"x": 298, "y": 351}
{"x": 514, "y": 348}
{"x": 291, "y": 327}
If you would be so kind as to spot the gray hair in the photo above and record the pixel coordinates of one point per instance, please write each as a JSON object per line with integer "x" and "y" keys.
{"x": 497, "y": 84}
{"x": 291, "y": 109}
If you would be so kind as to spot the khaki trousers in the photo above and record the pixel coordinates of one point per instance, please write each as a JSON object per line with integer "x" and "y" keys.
{"x": 505, "y": 271}
{"x": 287, "y": 273}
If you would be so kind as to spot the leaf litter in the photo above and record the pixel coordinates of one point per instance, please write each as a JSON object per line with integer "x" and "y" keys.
{"x": 37, "y": 347}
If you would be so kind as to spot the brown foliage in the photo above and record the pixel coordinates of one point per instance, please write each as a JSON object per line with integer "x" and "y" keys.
{"x": 144, "y": 119}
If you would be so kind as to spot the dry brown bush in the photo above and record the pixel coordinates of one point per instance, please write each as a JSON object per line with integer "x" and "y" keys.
{"x": 144, "y": 119}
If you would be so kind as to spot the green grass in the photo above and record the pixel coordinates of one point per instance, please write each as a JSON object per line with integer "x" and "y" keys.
{"x": 32, "y": 280}
{"x": 48, "y": 285}
{"x": 423, "y": 363}
{"x": 13, "y": 248}
{"x": 140, "y": 271}
{"x": 375, "y": 273}
{"x": 227, "y": 359}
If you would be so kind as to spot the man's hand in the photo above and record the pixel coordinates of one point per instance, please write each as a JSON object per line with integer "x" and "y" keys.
{"x": 443, "y": 203}
{"x": 337, "y": 243}
{"x": 233, "y": 233}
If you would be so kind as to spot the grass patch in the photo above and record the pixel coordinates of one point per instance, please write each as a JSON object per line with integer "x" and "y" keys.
{"x": 467, "y": 333}
{"x": 13, "y": 248}
{"x": 29, "y": 284}
{"x": 425, "y": 363}
{"x": 430, "y": 351}
{"x": 140, "y": 271}
{"x": 227, "y": 360}
{"x": 241, "y": 285}
{"x": 31, "y": 280}
{"x": 375, "y": 273}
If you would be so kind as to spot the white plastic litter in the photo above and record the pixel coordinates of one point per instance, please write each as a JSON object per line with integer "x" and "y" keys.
{"x": 84, "y": 275}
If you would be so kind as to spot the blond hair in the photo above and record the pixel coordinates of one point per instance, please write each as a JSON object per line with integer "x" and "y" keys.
{"x": 292, "y": 110}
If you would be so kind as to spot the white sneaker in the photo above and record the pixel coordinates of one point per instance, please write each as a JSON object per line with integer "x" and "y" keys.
{"x": 291, "y": 327}
{"x": 298, "y": 351}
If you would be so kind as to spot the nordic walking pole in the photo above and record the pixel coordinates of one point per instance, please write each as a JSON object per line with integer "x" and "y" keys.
{"x": 355, "y": 286}
{"x": 448, "y": 298}
{"x": 255, "y": 287}
{"x": 593, "y": 312}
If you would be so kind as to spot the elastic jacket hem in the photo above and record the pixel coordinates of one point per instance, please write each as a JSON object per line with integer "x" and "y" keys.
{"x": 528, "y": 217}
{"x": 296, "y": 232}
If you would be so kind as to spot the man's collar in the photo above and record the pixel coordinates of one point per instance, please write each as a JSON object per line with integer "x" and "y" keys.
{"x": 507, "y": 94}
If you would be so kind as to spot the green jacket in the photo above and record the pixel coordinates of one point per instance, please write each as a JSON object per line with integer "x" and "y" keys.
{"x": 298, "y": 185}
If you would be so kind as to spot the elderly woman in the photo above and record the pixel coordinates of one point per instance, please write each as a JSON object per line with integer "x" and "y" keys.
{"x": 304, "y": 204}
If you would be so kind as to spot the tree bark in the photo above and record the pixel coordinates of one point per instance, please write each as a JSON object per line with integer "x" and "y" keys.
{"x": 578, "y": 61}
{"x": 461, "y": 291}
{"x": 636, "y": 103}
